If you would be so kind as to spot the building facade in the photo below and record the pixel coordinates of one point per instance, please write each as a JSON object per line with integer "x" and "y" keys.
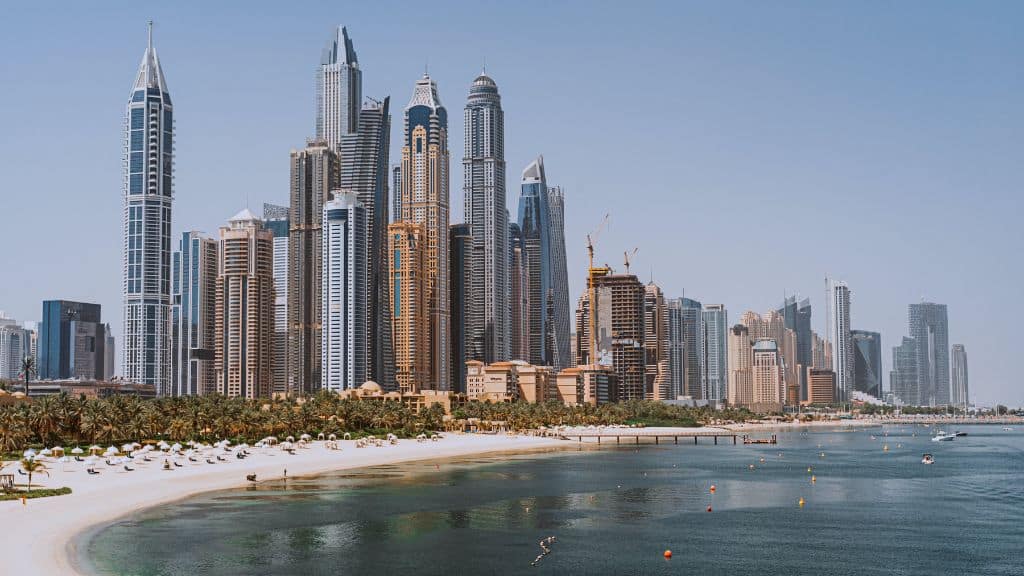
{"x": 483, "y": 168}
{"x": 676, "y": 347}
{"x": 960, "y": 393}
{"x": 245, "y": 307}
{"x": 741, "y": 378}
{"x": 424, "y": 191}
{"x": 797, "y": 317}
{"x": 716, "y": 352}
{"x": 410, "y": 306}
{"x": 563, "y": 355}
{"x": 620, "y": 331}
{"x": 345, "y": 309}
{"x": 462, "y": 271}
{"x": 840, "y": 337}
{"x": 72, "y": 341}
{"x": 657, "y": 380}
{"x": 694, "y": 349}
{"x": 767, "y": 372}
{"x": 821, "y": 384}
{"x": 903, "y": 381}
{"x": 315, "y": 171}
{"x": 15, "y": 346}
{"x": 929, "y": 327}
{"x": 519, "y": 295}
{"x": 148, "y": 195}
{"x": 867, "y": 362}
{"x": 193, "y": 316}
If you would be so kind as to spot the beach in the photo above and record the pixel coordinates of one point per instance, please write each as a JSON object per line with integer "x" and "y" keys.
{"x": 40, "y": 536}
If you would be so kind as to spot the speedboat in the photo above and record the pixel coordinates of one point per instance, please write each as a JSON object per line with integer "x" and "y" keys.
{"x": 927, "y": 459}
{"x": 941, "y": 437}
{"x": 1007, "y": 428}
{"x": 959, "y": 433}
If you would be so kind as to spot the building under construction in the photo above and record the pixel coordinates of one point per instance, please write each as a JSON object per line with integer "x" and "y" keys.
{"x": 619, "y": 329}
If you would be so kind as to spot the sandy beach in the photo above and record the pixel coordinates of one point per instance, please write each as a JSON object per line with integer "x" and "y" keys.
{"x": 40, "y": 536}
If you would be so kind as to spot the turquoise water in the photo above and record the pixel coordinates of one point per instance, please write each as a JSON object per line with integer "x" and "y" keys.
{"x": 614, "y": 511}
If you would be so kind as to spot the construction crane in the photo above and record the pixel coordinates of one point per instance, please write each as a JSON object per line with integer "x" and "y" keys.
{"x": 592, "y": 274}
{"x": 627, "y": 257}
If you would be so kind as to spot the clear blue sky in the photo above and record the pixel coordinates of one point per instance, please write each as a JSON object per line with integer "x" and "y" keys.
{"x": 747, "y": 148}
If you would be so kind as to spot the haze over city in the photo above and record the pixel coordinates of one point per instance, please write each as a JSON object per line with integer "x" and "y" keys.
{"x": 746, "y": 149}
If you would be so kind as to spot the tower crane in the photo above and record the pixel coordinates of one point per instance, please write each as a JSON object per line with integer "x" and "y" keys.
{"x": 592, "y": 274}
{"x": 627, "y": 257}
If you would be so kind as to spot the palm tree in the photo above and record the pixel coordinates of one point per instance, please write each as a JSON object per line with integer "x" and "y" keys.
{"x": 28, "y": 369}
{"x": 33, "y": 466}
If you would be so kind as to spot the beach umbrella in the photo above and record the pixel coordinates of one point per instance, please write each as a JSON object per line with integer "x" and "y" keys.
{"x": 176, "y": 447}
{"x": 305, "y": 437}
{"x": 45, "y": 452}
{"x": 30, "y": 453}
{"x": 128, "y": 447}
{"x": 91, "y": 460}
{"x": 96, "y": 449}
{"x": 76, "y": 450}
{"x": 110, "y": 451}
{"x": 64, "y": 459}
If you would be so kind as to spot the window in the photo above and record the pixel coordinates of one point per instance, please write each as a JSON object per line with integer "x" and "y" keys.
{"x": 138, "y": 118}
{"x": 398, "y": 259}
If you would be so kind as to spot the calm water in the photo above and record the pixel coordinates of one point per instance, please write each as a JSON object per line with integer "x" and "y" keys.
{"x": 614, "y": 511}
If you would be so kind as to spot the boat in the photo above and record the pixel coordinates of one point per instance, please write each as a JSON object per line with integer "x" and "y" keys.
{"x": 927, "y": 459}
{"x": 1007, "y": 428}
{"x": 959, "y": 433}
{"x": 942, "y": 437}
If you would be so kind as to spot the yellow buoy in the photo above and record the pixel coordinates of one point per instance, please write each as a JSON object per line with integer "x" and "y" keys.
{"x": 751, "y": 466}
{"x": 885, "y": 448}
{"x": 814, "y": 479}
{"x": 808, "y": 469}
{"x": 801, "y": 502}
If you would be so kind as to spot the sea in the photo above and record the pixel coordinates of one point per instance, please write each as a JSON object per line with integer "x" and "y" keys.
{"x": 820, "y": 502}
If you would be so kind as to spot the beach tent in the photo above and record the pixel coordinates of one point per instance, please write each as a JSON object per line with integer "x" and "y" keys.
{"x": 76, "y": 451}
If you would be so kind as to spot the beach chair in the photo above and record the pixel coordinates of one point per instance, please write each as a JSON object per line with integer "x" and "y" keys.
{"x": 128, "y": 469}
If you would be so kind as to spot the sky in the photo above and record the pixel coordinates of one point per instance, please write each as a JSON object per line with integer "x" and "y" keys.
{"x": 747, "y": 149}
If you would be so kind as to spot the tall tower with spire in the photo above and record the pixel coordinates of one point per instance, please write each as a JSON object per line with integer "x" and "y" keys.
{"x": 483, "y": 168}
{"x": 424, "y": 192}
{"x": 339, "y": 91}
{"x": 148, "y": 194}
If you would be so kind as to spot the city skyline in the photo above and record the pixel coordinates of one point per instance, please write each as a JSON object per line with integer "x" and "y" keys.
{"x": 864, "y": 314}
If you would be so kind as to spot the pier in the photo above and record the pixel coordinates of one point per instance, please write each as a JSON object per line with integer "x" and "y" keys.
{"x": 634, "y": 435}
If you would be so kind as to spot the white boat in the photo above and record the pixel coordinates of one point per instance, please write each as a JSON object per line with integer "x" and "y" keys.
{"x": 943, "y": 437}
{"x": 1007, "y": 428}
{"x": 927, "y": 459}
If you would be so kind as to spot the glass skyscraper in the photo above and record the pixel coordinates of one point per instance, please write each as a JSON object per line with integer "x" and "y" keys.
{"x": 275, "y": 219}
{"x": 148, "y": 194}
{"x": 344, "y": 308}
{"x": 867, "y": 362}
{"x": 716, "y": 352}
{"x": 797, "y": 318}
{"x": 960, "y": 393}
{"x": 339, "y": 91}
{"x": 535, "y": 225}
{"x": 694, "y": 348}
{"x": 929, "y": 327}
{"x": 839, "y": 335}
{"x": 559, "y": 280}
{"x": 193, "y": 316}
{"x": 72, "y": 341}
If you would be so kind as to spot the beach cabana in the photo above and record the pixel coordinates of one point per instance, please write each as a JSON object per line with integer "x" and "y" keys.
{"x": 94, "y": 449}
{"x": 76, "y": 451}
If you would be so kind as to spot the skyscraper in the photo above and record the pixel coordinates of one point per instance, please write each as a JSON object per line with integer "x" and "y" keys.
{"x": 461, "y": 267}
{"x": 14, "y": 348}
{"x": 364, "y": 172}
{"x": 559, "y": 279}
{"x": 344, "y": 309}
{"x": 193, "y": 316}
{"x": 929, "y": 327}
{"x": 960, "y": 393}
{"x": 483, "y": 168}
{"x": 535, "y": 224}
{"x": 674, "y": 334}
{"x": 275, "y": 219}
{"x": 839, "y": 336}
{"x": 716, "y": 351}
{"x": 620, "y": 330}
{"x": 72, "y": 341}
{"x": 424, "y": 193}
{"x": 315, "y": 171}
{"x": 519, "y": 295}
{"x": 693, "y": 345}
{"x": 148, "y": 194}
{"x": 867, "y": 362}
{"x": 798, "y": 318}
{"x": 903, "y": 377}
{"x": 409, "y": 305}
{"x": 339, "y": 91}
{"x": 741, "y": 383}
{"x": 245, "y": 307}
{"x": 767, "y": 373}
{"x": 656, "y": 370}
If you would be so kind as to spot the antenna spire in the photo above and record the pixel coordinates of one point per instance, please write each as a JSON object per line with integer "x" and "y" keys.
{"x": 149, "y": 33}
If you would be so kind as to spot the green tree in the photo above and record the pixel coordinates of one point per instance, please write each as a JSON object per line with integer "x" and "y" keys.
{"x": 33, "y": 466}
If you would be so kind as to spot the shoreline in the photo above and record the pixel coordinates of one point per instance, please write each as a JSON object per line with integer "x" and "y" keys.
{"x": 52, "y": 532}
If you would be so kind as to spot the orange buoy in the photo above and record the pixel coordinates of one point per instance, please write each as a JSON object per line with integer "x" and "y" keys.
{"x": 668, "y": 554}
{"x": 801, "y": 502}
{"x": 814, "y": 479}
{"x": 709, "y": 508}
{"x": 712, "y": 488}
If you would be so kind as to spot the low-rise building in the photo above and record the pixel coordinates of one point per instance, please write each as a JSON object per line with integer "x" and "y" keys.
{"x": 821, "y": 386}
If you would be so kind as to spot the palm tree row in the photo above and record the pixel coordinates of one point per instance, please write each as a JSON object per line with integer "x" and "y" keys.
{"x": 66, "y": 420}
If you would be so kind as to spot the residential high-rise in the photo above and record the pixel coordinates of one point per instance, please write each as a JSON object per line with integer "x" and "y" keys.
{"x": 620, "y": 331}
{"x": 424, "y": 194}
{"x": 72, "y": 341}
{"x": 344, "y": 309}
{"x": 483, "y": 168}
{"x": 715, "y": 362}
{"x": 364, "y": 172}
{"x": 193, "y": 315}
{"x": 462, "y": 271}
{"x": 315, "y": 171}
{"x": 741, "y": 378}
{"x": 559, "y": 280}
{"x": 409, "y": 306}
{"x": 245, "y": 307}
{"x": 797, "y": 317}
{"x": 903, "y": 377}
{"x": 14, "y": 348}
{"x": 821, "y": 384}
{"x": 519, "y": 295}
{"x": 108, "y": 350}
{"x": 838, "y": 333}
{"x": 148, "y": 194}
{"x": 821, "y": 352}
{"x": 656, "y": 369}
{"x": 693, "y": 348}
{"x": 767, "y": 374}
{"x": 960, "y": 393}
{"x": 535, "y": 224}
{"x": 675, "y": 335}
{"x": 929, "y": 327}
{"x": 396, "y": 196}
{"x": 275, "y": 219}
{"x": 339, "y": 91}
{"x": 867, "y": 362}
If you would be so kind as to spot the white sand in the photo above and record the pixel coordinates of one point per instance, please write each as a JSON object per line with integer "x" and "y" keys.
{"x": 39, "y": 537}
